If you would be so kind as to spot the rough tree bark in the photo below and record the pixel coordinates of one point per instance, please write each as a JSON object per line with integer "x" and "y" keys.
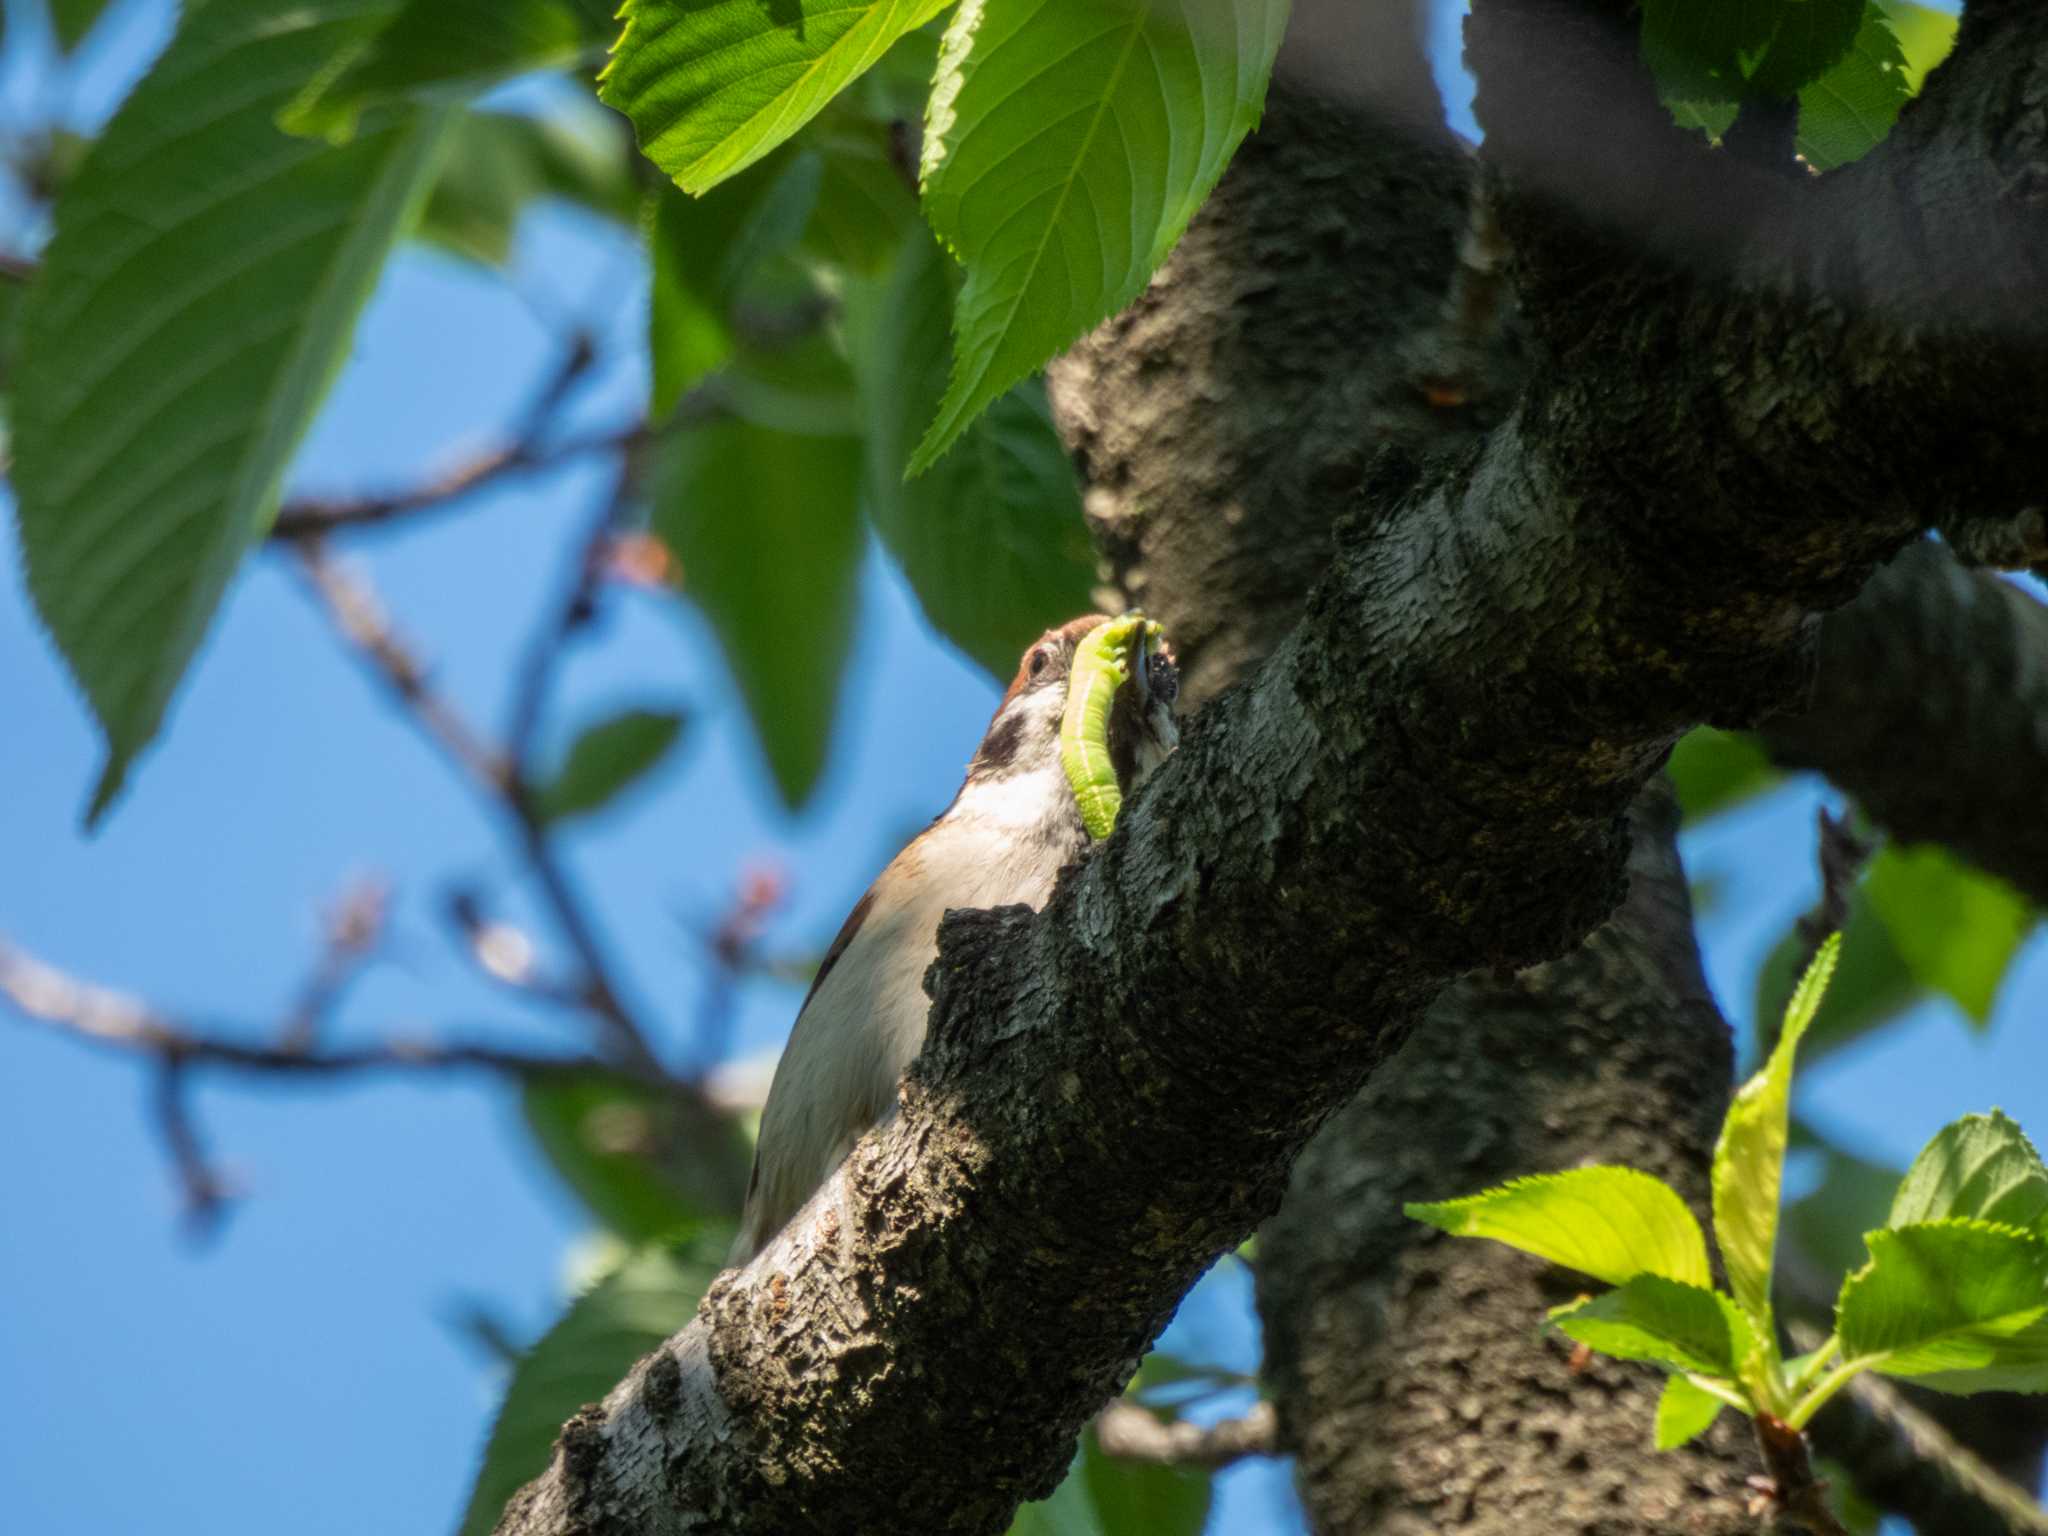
{"x": 1932, "y": 710}
{"x": 1412, "y": 1379}
{"x": 1430, "y": 774}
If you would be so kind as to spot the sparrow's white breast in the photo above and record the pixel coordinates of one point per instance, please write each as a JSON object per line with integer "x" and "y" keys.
{"x": 1001, "y": 842}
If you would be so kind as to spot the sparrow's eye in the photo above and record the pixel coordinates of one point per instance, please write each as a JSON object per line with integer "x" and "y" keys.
{"x": 1040, "y": 660}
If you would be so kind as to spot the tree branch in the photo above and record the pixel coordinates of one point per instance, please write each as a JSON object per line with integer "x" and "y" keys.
{"x": 179, "y": 1047}
{"x": 1132, "y": 1433}
{"x": 1930, "y": 706}
{"x": 103, "y": 1016}
{"x": 1416, "y": 1386}
{"x": 1429, "y": 775}
{"x": 504, "y": 781}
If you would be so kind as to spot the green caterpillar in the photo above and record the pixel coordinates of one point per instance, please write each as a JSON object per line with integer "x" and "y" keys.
{"x": 1100, "y": 668}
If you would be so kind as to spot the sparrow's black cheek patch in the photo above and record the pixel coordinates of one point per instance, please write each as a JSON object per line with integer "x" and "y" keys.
{"x": 999, "y": 750}
{"x": 844, "y": 937}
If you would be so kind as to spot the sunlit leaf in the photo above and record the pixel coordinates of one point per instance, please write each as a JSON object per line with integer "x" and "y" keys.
{"x": 1956, "y": 927}
{"x": 992, "y": 540}
{"x": 602, "y": 1335}
{"x": 1749, "y": 1159}
{"x": 1959, "y": 1306}
{"x": 184, "y": 327}
{"x": 1066, "y": 145}
{"x": 1846, "y": 113}
{"x": 1980, "y": 1166}
{"x": 1684, "y": 1413}
{"x": 1688, "y": 1327}
{"x": 1871, "y": 987}
{"x": 1610, "y": 1223}
{"x": 1925, "y": 36}
{"x": 712, "y": 86}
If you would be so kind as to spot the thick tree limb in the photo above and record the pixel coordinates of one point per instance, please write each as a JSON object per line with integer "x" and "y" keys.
{"x": 1428, "y": 775}
{"x": 1416, "y": 1386}
{"x": 1930, "y": 706}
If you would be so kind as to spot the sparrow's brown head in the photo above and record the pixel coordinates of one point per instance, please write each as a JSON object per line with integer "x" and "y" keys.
{"x": 1023, "y": 736}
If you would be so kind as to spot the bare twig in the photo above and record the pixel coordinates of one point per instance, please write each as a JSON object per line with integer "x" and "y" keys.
{"x": 352, "y": 607}
{"x": 577, "y": 608}
{"x": 207, "y": 1191}
{"x": 1131, "y": 1433}
{"x": 355, "y": 927}
{"x": 503, "y": 780}
{"x": 103, "y": 1016}
{"x": 730, "y": 946}
{"x": 310, "y": 516}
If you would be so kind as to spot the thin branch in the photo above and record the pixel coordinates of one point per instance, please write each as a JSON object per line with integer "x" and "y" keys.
{"x": 351, "y": 606}
{"x": 103, "y": 1016}
{"x": 310, "y": 516}
{"x": 355, "y": 929}
{"x": 576, "y": 610}
{"x": 502, "y": 780}
{"x": 1132, "y": 1433}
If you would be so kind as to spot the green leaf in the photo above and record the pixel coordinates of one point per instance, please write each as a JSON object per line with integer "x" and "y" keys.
{"x": 1103, "y": 1496}
{"x": 710, "y": 255}
{"x": 865, "y": 208}
{"x": 1770, "y": 47}
{"x": 1959, "y": 1306}
{"x": 603, "y": 1135}
{"x": 1847, "y": 112}
{"x": 1980, "y": 1166}
{"x": 1690, "y": 1327}
{"x": 1684, "y": 1413}
{"x": 607, "y": 759}
{"x": 1925, "y": 36}
{"x": 444, "y": 46}
{"x": 499, "y": 162}
{"x": 712, "y": 86}
{"x": 180, "y": 336}
{"x": 602, "y": 1335}
{"x": 1610, "y": 1223}
{"x": 1066, "y": 145}
{"x": 1956, "y": 927}
{"x": 992, "y": 541}
{"x": 1871, "y": 987}
{"x": 1716, "y": 770}
{"x": 1135, "y": 1498}
{"x": 1749, "y": 1159}
{"x": 71, "y": 20}
{"x": 766, "y": 523}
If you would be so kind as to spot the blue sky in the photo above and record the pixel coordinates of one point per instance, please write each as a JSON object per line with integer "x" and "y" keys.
{"x": 304, "y": 1371}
